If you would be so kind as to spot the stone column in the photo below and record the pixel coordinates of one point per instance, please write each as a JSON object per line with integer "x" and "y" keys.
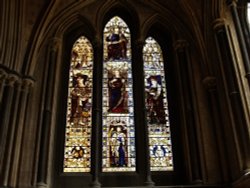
{"x": 97, "y": 114}
{"x": 210, "y": 85}
{"x": 141, "y": 90}
{"x": 19, "y": 128}
{"x": 188, "y": 111}
{"x": 3, "y": 76}
{"x": 9, "y": 153}
{"x": 233, "y": 6}
{"x": 53, "y": 47}
{"x": 227, "y": 64}
{"x": 5, "y": 117}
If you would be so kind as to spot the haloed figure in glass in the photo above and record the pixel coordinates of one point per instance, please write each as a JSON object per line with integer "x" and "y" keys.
{"x": 117, "y": 44}
{"x": 118, "y": 144}
{"x": 117, "y": 92}
{"x": 154, "y": 99}
{"x": 80, "y": 95}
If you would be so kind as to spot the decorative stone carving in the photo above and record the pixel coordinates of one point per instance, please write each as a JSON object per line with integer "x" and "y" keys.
{"x": 54, "y": 44}
{"x": 180, "y": 44}
{"x": 209, "y": 82}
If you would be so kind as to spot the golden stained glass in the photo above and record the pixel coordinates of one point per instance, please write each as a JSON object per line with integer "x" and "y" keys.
{"x": 79, "y": 108}
{"x": 160, "y": 146}
{"x": 118, "y": 116}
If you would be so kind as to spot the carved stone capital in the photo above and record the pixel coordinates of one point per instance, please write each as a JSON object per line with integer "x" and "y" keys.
{"x": 54, "y": 44}
{"x": 219, "y": 24}
{"x": 27, "y": 83}
{"x": 11, "y": 80}
{"x": 209, "y": 82}
{"x": 232, "y": 3}
{"x": 3, "y": 75}
{"x": 140, "y": 43}
{"x": 97, "y": 42}
{"x": 247, "y": 75}
{"x": 180, "y": 44}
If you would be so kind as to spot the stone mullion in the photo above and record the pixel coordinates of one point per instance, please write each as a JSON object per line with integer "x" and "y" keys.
{"x": 141, "y": 90}
{"x": 233, "y": 91}
{"x": 245, "y": 55}
{"x": 18, "y": 135}
{"x": 5, "y": 119}
{"x": 188, "y": 111}
{"x": 96, "y": 142}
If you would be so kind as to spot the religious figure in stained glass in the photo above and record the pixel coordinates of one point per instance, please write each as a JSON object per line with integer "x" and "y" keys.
{"x": 117, "y": 90}
{"x": 118, "y": 143}
{"x": 117, "y": 44}
{"x": 157, "y": 108}
{"x": 118, "y": 110}
{"x": 80, "y": 96}
{"x": 154, "y": 95}
{"x": 78, "y": 125}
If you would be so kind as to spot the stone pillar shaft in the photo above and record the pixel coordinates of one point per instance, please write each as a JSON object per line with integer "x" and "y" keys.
{"x": 47, "y": 113}
{"x": 185, "y": 79}
{"x": 5, "y": 119}
{"x": 11, "y": 133}
{"x": 233, "y": 6}
{"x": 97, "y": 115}
{"x": 19, "y": 129}
{"x": 140, "y": 74}
{"x": 227, "y": 65}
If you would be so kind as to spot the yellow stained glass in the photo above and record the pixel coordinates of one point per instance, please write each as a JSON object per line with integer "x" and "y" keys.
{"x": 79, "y": 108}
{"x": 160, "y": 146}
{"x": 118, "y": 116}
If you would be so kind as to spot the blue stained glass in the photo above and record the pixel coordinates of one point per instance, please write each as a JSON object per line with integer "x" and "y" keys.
{"x": 118, "y": 128}
{"x": 79, "y": 108}
{"x": 160, "y": 147}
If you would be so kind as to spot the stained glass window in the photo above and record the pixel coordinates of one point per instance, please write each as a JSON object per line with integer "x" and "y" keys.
{"x": 118, "y": 116}
{"x": 248, "y": 13}
{"x": 78, "y": 125}
{"x": 161, "y": 158}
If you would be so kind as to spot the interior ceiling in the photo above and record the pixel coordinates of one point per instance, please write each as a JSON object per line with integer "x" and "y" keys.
{"x": 42, "y": 16}
{"x": 35, "y": 11}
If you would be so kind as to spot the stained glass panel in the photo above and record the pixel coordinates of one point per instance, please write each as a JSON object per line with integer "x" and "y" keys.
{"x": 248, "y": 13}
{"x": 79, "y": 108}
{"x": 118, "y": 116}
{"x": 161, "y": 157}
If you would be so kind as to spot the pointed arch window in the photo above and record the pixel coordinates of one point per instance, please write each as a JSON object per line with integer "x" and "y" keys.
{"x": 118, "y": 124}
{"x": 118, "y": 106}
{"x": 79, "y": 106}
{"x": 161, "y": 157}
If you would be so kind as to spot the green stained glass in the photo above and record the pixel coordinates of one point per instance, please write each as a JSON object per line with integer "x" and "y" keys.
{"x": 79, "y": 108}
{"x": 118, "y": 153}
{"x": 160, "y": 146}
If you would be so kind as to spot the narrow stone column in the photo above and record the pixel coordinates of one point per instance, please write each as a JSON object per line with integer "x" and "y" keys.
{"x": 140, "y": 74}
{"x": 47, "y": 113}
{"x": 188, "y": 111}
{"x": 233, "y": 6}
{"x": 97, "y": 114}
{"x": 19, "y": 129}
{"x": 210, "y": 85}
{"x": 3, "y": 76}
{"x": 5, "y": 119}
{"x": 227, "y": 65}
{"x": 9, "y": 153}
